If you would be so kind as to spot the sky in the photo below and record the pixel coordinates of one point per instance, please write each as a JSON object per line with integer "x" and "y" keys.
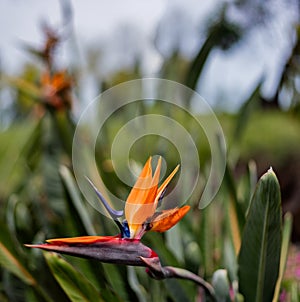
{"x": 125, "y": 28}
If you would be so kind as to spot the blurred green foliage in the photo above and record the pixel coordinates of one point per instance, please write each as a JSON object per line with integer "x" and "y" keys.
{"x": 230, "y": 243}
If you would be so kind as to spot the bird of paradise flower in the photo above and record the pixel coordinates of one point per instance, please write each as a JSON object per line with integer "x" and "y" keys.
{"x": 140, "y": 217}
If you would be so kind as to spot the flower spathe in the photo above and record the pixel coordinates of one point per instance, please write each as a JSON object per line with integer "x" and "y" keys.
{"x": 108, "y": 249}
{"x": 140, "y": 217}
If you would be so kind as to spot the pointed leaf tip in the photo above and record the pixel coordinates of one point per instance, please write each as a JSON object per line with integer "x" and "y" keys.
{"x": 270, "y": 173}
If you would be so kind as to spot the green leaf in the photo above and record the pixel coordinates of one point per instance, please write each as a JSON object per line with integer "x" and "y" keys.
{"x": 9, "y": 258}
{"x": 206, "y": 241}
{"x": 286, "y": 235}
{"x": 295, "y": 292}
{"x": 65, "y": 130}
{"x": 174, "y": 242}
{"x": 113, "y": 274}
{"x": 12, "y": 264}
{"x": 259, "y": 256}
{"x": 220, "y": 32}
{"x": 196, "y": 67}
{"x": 230, "y": 259}
{"x": 75, "y": 285}
{"x": 26, "y": 87}
{"x": 246, "y": 110}
{"x": 234, "y": 206}
{"x": 15, "y": 142}
{"x": 175, "y": 290}
{"x": 73, "y": 191}
{"x": 135, "y": 284}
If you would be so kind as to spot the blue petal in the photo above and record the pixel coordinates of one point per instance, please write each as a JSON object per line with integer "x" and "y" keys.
{"x": 125, "y": 229}
{"x": 113, "y": 213}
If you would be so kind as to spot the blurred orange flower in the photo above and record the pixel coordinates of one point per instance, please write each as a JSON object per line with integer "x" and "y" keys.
{"x": 56, "y": 90}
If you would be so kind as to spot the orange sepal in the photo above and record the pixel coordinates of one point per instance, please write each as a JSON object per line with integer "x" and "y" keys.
{"x": 81, "y": 240}
{"x": 168, "y": 218}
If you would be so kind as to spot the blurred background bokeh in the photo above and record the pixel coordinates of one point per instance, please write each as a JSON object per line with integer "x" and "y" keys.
{"x": 242, "y": 56}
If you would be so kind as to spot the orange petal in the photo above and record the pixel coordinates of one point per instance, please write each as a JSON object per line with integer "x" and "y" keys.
{"x": 140, "y": 202}
{"x": 168, "y": 218}
{"x": 153, "y": 190}
{"x": 142, "y": 184}
{"x": 164, "y": 184}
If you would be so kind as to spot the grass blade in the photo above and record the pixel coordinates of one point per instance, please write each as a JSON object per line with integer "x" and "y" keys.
{"x": 286, "y": 235}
